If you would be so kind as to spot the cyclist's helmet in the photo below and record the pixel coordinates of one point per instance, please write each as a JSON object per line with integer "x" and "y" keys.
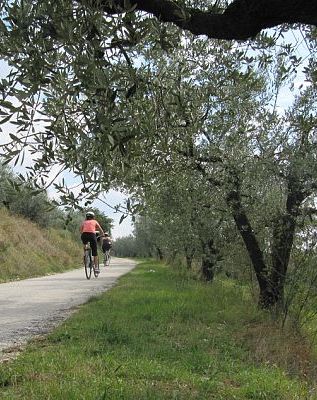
{"x": 90, "y": 214}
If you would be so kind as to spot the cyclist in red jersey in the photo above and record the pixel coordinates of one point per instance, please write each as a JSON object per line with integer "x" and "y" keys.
{"x": 88, "y": 230}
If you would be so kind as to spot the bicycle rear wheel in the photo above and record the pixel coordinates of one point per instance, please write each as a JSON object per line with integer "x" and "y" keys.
{"x": 88, "y": 263}
{"x": 107, "y": 259}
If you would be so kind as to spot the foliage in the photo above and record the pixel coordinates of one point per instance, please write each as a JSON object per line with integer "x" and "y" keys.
{"x": 88, "y": 102}
{"x": 35, "y": 208}
{"x": 20, "y": 198}
{"x": 125, "y": 247}
{"x": 301, "y": 284}
{"x": 149, "y": 236}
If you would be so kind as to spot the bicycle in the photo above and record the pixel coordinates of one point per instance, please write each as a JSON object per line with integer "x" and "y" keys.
{"x": 89, "y": 263}
{"x": 106, "y": 253}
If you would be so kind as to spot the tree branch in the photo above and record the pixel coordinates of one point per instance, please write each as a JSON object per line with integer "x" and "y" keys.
{"x": 241, "y": 20}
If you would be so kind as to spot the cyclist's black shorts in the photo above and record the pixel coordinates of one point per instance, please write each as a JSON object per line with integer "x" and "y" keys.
{"x": 92, "y": 239}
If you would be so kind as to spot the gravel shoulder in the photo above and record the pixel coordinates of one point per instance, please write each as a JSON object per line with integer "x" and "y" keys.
{"x": 33, "y": 307}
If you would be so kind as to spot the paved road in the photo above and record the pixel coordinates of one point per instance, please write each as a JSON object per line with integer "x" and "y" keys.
{"x": 34, "y": 306}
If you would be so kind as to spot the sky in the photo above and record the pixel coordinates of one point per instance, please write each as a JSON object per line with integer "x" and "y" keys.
{"x": 113, "y": 198}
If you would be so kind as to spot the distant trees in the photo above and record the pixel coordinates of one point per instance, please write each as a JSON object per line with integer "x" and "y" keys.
{"x": 126, "y": 247}
{"x": 20, "y": 198}
{"x": 180, "y": 222}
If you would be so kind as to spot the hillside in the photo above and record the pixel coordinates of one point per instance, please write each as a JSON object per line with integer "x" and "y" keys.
{"x": 26, "y": 250}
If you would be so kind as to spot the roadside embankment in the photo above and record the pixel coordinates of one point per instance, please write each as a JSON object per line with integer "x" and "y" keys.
{"x": 27, "y": 251}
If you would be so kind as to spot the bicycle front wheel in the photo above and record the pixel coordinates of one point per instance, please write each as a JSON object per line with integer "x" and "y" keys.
{"x": 88, "y": 263}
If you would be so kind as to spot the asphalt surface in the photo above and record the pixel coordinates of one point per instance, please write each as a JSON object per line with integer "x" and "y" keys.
{"x": 33, "y": 307}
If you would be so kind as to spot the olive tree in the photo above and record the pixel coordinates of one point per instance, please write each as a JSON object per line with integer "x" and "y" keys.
{"x": 232, "y": 136}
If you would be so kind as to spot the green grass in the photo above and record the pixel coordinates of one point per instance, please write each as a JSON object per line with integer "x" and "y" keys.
{"x": 156, "y": 335}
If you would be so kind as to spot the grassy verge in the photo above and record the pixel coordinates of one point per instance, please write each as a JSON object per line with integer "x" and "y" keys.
{"x": 156, "y": 335}
{"x": 26, "y": 250}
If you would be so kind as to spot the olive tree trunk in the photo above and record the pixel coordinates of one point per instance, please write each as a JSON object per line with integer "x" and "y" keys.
{"x": 271, "y": 278}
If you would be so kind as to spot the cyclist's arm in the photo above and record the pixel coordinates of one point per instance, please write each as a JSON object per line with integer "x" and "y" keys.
{"x": 100, "y": 229}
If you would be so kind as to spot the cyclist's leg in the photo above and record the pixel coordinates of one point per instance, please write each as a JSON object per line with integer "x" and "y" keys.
{"x": 107, "y": 258}
{"x": 94, "y": 250}
{"x": 106, "y": 252}
{"x": 96, "y": 262}
{"x": 85, "y": 240}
